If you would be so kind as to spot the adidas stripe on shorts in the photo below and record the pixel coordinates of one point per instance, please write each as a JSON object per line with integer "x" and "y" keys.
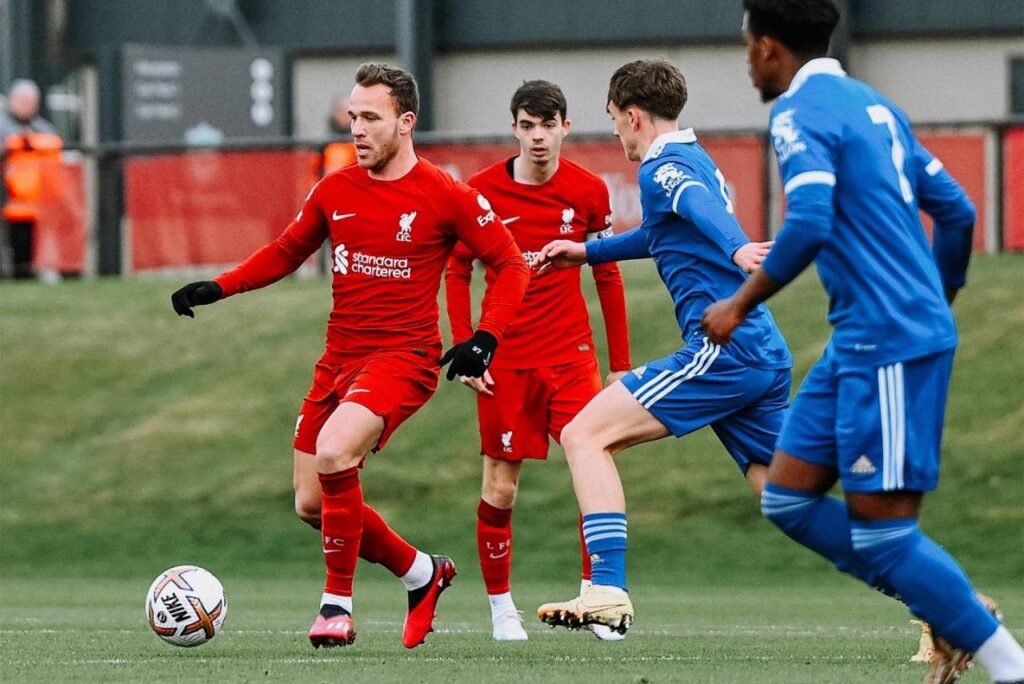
{"x": 703, "y": 384}
{"x": 879, "y": 426}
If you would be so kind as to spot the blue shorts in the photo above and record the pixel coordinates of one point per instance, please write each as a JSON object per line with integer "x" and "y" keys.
{"x": 702, "y": 384}
{"x": 880, "y": 427}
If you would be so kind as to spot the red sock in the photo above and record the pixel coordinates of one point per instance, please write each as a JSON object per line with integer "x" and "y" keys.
{"x": 384, "y": 546}
{"x": 494, "y": 546}
{"x": 342, "y": 519}
{"x": 584, "y": 556}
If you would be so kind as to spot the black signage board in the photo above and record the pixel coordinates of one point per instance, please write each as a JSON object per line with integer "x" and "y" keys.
{"x": 201, "y": 96}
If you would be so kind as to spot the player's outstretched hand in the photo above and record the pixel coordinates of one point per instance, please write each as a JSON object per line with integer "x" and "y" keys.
{"x": 749, "y": 256}
{"x": 560, "y": 254}
{"x": 482, "y": 385}
{"x": 472, "y": 357}
{"x": 195, "y": 294}
{"x": 721, "y": 319}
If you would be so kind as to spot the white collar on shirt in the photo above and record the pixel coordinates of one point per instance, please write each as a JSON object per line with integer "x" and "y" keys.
{"x": 684, "y": 136}
{"x": 821, "y": 65}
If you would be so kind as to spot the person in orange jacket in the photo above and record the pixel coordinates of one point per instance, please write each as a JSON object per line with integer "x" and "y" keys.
{"x": 339, "y": 151}
{"x": 26, "y": 140}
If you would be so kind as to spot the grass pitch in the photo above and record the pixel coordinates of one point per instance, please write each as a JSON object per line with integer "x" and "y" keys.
{"x": 132, "y": 440}
{"x": 94, "y": 631}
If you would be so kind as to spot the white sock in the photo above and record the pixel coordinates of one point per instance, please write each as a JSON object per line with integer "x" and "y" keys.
{"x": 501, "y": 604}
{"x": 420, "y": 573}
{"x": 344, "y": 602}
{"x": 1002, "y": 656}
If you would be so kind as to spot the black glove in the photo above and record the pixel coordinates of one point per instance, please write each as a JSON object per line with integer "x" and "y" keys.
{"x": 472, "y": 357}
{"x": 195, "y": 294}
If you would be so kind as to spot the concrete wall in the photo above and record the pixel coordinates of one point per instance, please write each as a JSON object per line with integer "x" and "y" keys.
{"x": 941, "y": 80}
{"x": 316, "y": 81}
{"x": 934, "y": 80}
{"x": 474, "y": 89}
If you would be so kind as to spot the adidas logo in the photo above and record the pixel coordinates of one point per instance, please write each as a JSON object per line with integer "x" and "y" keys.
{"x": 639, "y": 372}
{"x": 863, "y": 466}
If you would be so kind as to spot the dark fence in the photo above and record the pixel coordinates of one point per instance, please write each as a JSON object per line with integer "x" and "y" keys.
{"x": 136, "y": 209}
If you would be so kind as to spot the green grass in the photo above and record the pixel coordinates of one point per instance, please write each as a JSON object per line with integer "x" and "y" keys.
{"x": 132, "y": 440}
{"x": 94, "y": 630}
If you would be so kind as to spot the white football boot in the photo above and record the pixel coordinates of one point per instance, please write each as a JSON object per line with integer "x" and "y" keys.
{"x": 508, "y": 626}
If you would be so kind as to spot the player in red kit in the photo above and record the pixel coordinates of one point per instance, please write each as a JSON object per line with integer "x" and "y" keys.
{"x": 546, "y": 370}
{"x": 392, "y": 220}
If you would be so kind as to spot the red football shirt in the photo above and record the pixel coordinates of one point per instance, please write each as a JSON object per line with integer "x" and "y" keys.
{"x": 390, "y": 241}
{"x": 552, "y": 326}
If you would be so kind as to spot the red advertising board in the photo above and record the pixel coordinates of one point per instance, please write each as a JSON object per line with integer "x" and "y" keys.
{"x": 210, "y": 208}
{"x": 59, "y": 241}
{"x": 965, "y": 156}
{"x": 1013, "y": 189}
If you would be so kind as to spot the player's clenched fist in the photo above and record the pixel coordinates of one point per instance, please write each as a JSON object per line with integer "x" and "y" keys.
{"x": 721, "y": 319}
{"x": 472, "y": 357}
{"x": 560, "y": 254}
{"x": 195, "y": 294}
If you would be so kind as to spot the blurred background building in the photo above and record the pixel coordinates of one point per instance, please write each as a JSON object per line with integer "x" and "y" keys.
{"x": 138, "y": 85}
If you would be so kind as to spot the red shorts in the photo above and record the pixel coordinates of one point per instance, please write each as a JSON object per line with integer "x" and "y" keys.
{"x": 530, "y": 404}
{"x": 392, "y": 385}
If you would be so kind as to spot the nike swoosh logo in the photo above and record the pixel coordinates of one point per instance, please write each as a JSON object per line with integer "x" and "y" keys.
{"x": 510, "y": 220}
{"x": 496, "y": 557}
{"x": 354, "y": 391}
{"x": 337, "y": 217}
{"x": 332, "y": 551}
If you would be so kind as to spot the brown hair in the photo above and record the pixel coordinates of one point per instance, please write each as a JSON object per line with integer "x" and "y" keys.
{"x": 401, "y": 83}
{"x": 654, "y": 85}
{"x": 539, "y": 98}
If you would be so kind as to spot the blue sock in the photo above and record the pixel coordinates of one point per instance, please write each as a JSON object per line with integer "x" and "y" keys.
{"x": 822, "y": 524}
{"x": 605, "y": 537}
{"x": 926, "y": 578}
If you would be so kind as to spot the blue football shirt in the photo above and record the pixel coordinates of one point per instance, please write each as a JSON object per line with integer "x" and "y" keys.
{"x": 855, "y": 177}
{"x": 691, "y": 233}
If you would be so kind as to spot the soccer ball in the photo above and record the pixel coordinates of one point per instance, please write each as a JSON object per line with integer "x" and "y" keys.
{"x": 186, "y": 606}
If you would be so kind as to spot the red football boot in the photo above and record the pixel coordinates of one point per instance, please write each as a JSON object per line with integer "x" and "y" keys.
{"x": 334, "y": 630}
{"x": 423, "y": 602}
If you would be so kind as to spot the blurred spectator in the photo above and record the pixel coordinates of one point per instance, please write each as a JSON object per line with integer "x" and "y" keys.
{"x": 28, "y": 141}
{"x": 339, "y": 150}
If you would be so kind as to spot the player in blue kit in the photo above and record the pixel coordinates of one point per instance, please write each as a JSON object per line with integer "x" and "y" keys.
{"x": 741, "y": 389}
{"x": 870, "y": 412}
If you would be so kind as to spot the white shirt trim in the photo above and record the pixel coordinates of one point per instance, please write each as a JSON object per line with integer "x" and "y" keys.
{"x": 679, "y": 192}
{"x": 822, "y": 65}
{"x": 683, "y": 136}
{"x": 809, "y": 178}
{"x": 934, "y": 166}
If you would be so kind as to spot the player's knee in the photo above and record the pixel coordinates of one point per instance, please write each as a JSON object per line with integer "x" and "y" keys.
{"x": 308, "y": 512}
{"x": 333, "y": 455}
{"x": 500, "y": 493}
{"x": 575, "y": 439}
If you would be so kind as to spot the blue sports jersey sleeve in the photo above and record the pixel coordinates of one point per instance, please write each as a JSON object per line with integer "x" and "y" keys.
{"x": 945, "y": 201}
{"x": 631, "y": 244}
{"x": 805, "y": 146}
{"x": 674, "y": 187}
